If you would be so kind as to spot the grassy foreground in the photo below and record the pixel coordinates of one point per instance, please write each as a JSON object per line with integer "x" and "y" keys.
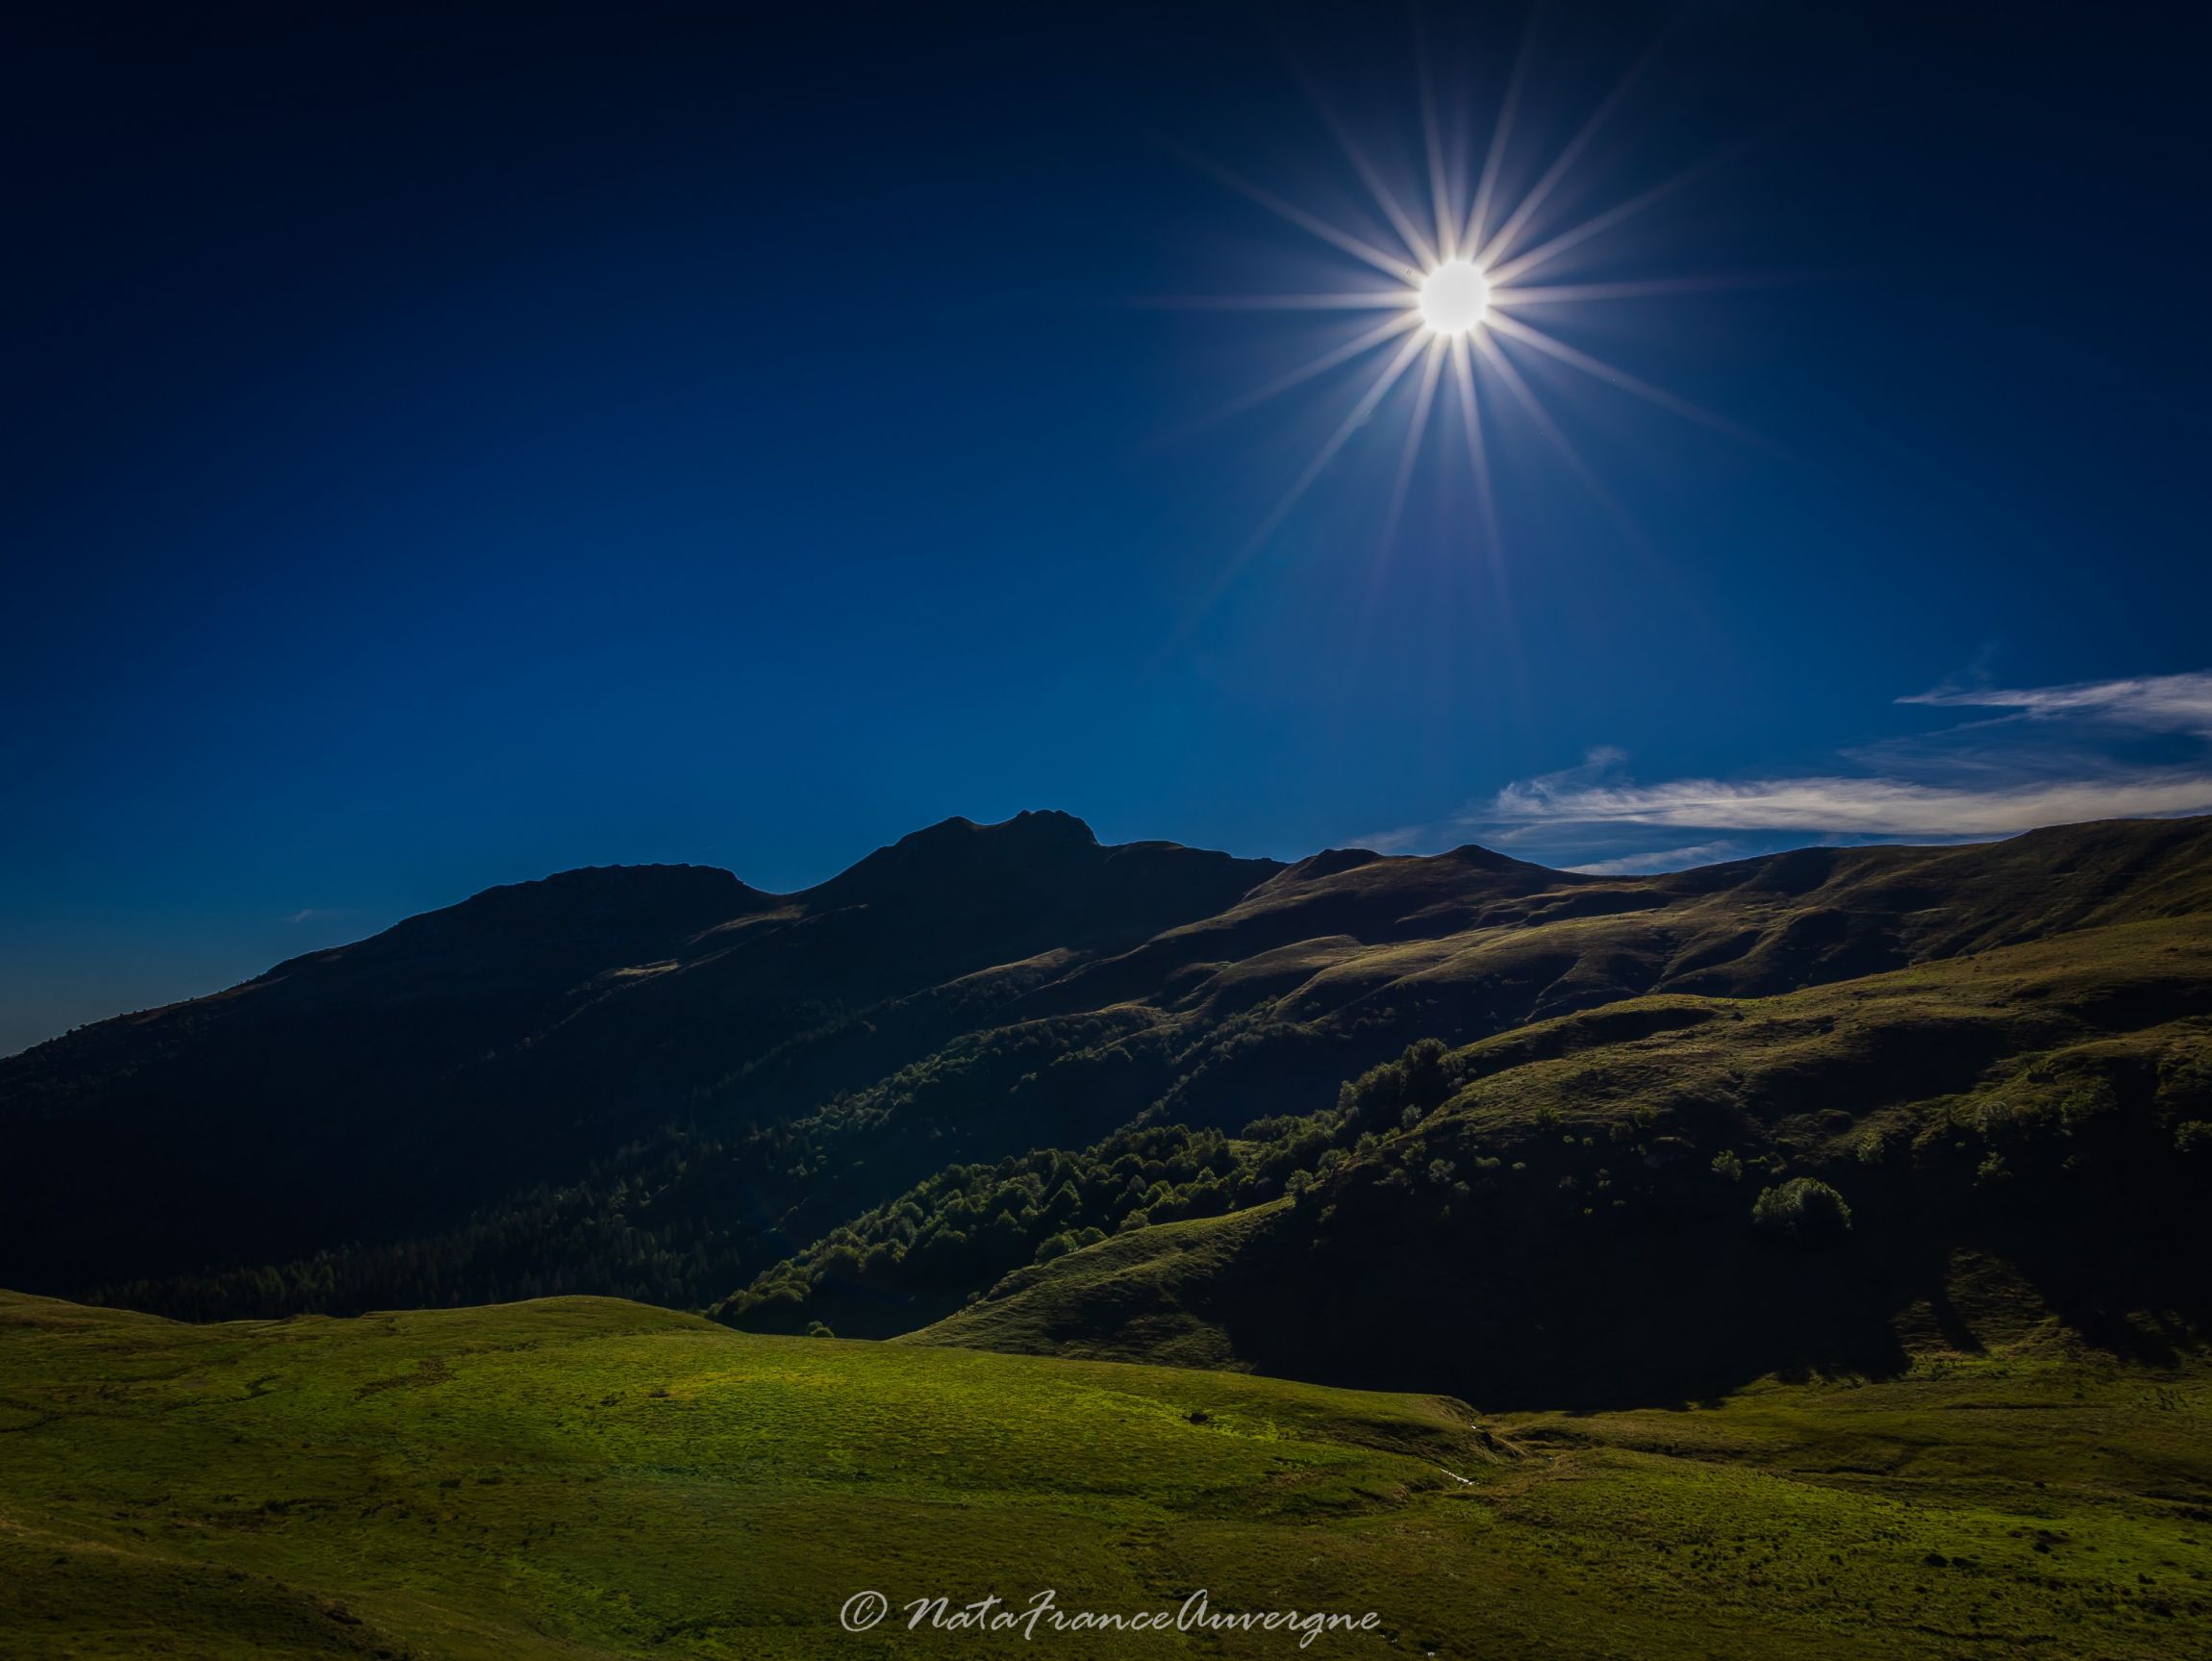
{"x": 585, "y": 1477}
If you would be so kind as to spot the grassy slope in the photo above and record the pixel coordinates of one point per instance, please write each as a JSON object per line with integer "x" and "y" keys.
{"x": 1148, "y": 1291}
{"x": 1332, "y": 965}
{"x": 966, "y": 996}
{"x": 583, "y": 1478}
{"x": 1581, "y": 1230}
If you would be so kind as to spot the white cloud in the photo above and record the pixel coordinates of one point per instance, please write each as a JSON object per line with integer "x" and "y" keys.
{"x": 2130, "y": 748}
{"x": 1405, "y": 839}
{"x": 1837, "y": 805}
{"x": 2149, "y": 703}
{"x": 1663, "y": 859}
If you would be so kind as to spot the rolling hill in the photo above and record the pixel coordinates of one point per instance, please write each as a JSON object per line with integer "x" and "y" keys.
{"x": 1573, "y": 1214}
{"x": 1433, "y": 1098}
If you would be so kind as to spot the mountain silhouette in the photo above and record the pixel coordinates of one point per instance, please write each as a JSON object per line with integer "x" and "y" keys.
{"x": 660, "y": 1082}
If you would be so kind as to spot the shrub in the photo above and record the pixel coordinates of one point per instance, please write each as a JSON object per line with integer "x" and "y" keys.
{"x": 1879, "y": 1147}
{"x": 816, "y": 1329}
{"x": 1416, "y": 1084}
{"x": 2193, "y": 1135}
{"x": 1804, "y": 1211}
{"x": 1727, "y": 1164}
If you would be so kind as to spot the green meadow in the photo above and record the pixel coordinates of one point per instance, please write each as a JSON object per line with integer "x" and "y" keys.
{"x": 582, "y": 1477}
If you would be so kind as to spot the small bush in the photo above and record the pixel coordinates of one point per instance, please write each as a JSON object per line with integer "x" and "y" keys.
{"x": 1880, "y": 1146}
{"x": 2193, "y": 1135}
{"x": 1804, "y": 1211}
{"x": 1727, "y": 1164}
{"x": 816, "y": 1329}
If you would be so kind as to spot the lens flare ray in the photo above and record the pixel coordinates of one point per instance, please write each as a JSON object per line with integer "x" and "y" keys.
{"x": 1441, "y": 195}
{"x": 1425, "y": 397}
{"x": 1478, "y": 454}
{"x": 1389, "y": 264}
{"x": 1377, "y": 391}
{"x": 1501, "y": 135}
{"x": 1357, "y": 346}
{"x": 1522, "y": 295}
{"x": 1501, "y": 244}
{"x": 1458, "y": 297}
{"x": 1417, "y": 246}
{"x": 1352, "y": 300}
{"x": 1543, "y": 423}
{"x": 1598, "y": 223}
{"x": 1600, "y": 369}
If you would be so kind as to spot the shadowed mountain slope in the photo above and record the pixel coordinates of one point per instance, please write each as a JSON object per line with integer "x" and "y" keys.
{"x": 1596, "y": 1209}
{"x": 402, "y": 1081}
{"x": 660, "y": 1083}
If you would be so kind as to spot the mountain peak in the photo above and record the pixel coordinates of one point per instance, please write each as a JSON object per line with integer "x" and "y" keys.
{"x": 1038, "y": 845}
{"x": 1330, "y": 861}
{"x": 625, "y": 897}
{"x": 1036, "y": 827}
{"x": 1476, "y": 857}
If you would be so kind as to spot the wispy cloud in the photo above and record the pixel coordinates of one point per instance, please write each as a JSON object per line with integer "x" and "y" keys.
{"x": 2134, "y": 748}
{"x": 1404, "y": 839}
{"x": 1662, "y": 859}
{"x": 1837, "y": 804}
{"x": 2147, "y": 703}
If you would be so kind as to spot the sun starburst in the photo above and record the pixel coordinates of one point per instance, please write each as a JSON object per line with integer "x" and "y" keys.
{"x": 1467, "y": 267}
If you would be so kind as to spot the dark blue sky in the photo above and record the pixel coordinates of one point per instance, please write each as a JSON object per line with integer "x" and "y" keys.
{"x": 449, "y": 445}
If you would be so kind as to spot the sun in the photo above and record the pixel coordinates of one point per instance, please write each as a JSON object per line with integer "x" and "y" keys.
{"x": 1459, "y": 321}
{"x": 1454, "y": 297}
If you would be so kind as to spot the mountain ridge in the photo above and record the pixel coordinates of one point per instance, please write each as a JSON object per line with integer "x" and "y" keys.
{"x": 660, "y": 1082}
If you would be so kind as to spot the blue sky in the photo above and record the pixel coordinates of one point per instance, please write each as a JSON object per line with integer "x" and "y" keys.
{"x": 445, "y": 449}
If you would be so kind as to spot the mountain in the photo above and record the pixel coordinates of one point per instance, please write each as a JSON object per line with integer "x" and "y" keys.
{"x": 2000, "y": 1051}
{"x": 1015, "y": 1087}
{"x": 1662, "y": 1199}
{"x": 398, "y": 1084}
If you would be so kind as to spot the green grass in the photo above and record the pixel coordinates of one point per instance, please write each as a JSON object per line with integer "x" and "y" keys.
{"x": 1149, "y": 1283}
{"x": 585, "y": 1477}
